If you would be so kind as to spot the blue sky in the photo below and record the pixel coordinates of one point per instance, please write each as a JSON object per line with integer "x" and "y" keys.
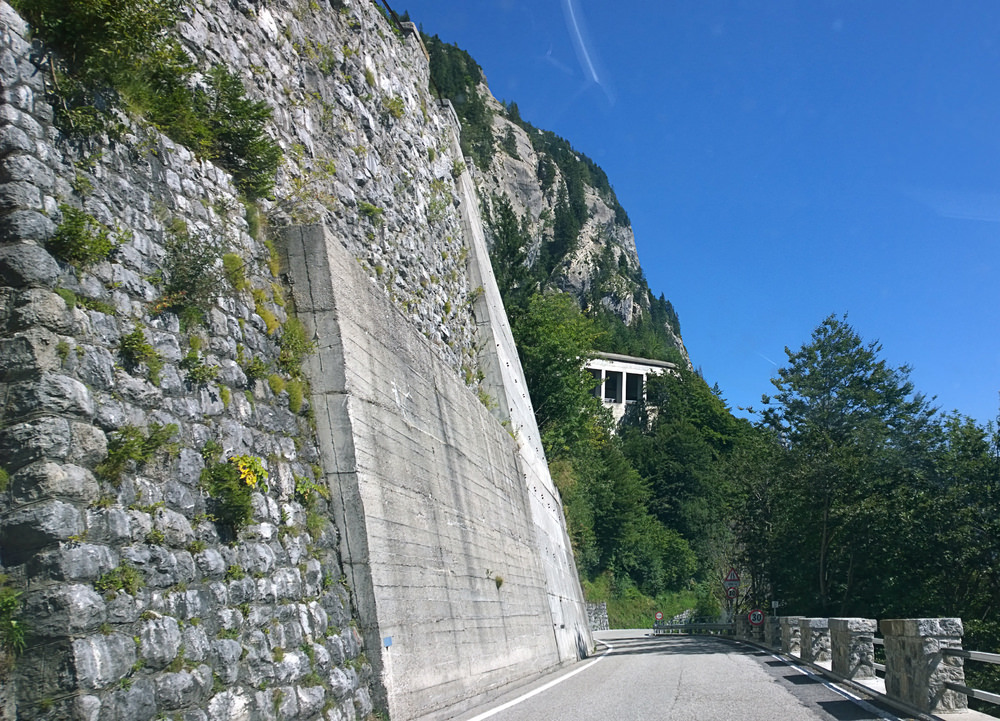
{"x": 781, "y": 161}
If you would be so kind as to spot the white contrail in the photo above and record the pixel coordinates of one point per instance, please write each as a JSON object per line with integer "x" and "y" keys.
{"x": 767, "y": 359}
{"x": 578, "y": 41}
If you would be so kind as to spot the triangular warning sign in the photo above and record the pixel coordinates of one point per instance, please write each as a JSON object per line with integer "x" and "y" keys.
{"x": 732, "y": 575}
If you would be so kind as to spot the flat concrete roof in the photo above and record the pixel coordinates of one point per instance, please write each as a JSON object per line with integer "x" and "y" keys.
{"x": 621, "y": 358}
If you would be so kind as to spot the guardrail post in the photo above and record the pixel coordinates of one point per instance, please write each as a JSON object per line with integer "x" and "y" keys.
{"x": 915, "y": 669}
{"x": 790, "y": 635}
{"x": 772, "y": 631}
{"x": 852, "y": 642}
{"x": 815, "y": 639}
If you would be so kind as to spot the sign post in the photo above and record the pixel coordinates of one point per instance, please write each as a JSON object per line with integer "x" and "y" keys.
{"x": 732, "y": 584}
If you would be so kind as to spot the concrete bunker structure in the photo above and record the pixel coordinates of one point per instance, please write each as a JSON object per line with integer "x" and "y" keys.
{"x": 620, "y": 380}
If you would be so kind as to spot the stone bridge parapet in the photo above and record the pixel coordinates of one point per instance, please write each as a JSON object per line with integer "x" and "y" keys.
{"x": 917, "y": 667}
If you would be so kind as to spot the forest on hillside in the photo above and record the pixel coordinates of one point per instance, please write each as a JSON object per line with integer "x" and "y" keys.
{"x": 848, "y": 494}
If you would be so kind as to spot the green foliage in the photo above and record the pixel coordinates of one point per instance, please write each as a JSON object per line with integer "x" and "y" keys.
{"x": 255, "y": 369}
{"x": 235, "y": 573}
{"x": 509, "y": 143}
{"x": 234, "y": 269}
{"x": 13, "y": 631}
{"x": 122, "y": 578}
{"x": 193, "y": 280}
{"x": 395, "y": 106}
{"x": 276, "y": 382}
{"x": 121, "y": 52}
{"x": 230, "y": 486}
{"x": 295, "y": 345}
{"x": 136, "y": 350}
{"x": 372, "y": 212}
{"x": 131, "y": 445}
{"x": 80, "y": 239}
{"x": 631, "y": 608}
{"x": 858, "y": 443}
{"x": 197, "y": 371}
{"x": 455, "y": 75}
{"x": 554, "y": 339}
{"x": 296, "y": 395}
{"x": 68, "y": 296}
{"x": 236, "y": 138}
{"x": 307, "y": 490}
{"x": 4, "y": 479}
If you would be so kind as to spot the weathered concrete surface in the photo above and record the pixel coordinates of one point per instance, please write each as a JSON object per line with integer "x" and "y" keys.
{"x": 506, "y": 383}
{"x": 438, "y": 536}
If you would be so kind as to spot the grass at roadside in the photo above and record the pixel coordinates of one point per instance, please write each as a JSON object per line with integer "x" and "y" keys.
{"x": 632, "y": 609}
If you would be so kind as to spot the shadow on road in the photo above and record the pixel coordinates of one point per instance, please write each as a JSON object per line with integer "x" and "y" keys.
{"x": 679, "y": 645}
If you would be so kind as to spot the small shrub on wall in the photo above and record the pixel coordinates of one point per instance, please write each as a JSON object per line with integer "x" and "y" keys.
{"x": 231, "y": 485}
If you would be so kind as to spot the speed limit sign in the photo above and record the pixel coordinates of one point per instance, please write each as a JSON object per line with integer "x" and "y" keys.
{"x": 756, "y": 617}
{"x": 659, "y": 616}
{"x": 732, "y": 592}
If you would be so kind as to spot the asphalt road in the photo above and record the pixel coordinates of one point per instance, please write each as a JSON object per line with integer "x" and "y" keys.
{"x": 695, "y": 678}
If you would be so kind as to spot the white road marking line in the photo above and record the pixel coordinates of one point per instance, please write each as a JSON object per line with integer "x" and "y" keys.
{"x": 846, "y": 694}
{"x": 544, "y": 687}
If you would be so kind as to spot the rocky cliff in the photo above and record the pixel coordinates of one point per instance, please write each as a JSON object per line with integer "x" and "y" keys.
{"x": 576, "y": 235}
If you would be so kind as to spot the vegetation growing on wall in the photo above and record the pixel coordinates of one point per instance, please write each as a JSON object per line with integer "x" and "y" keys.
{"x": 121, "y": 55}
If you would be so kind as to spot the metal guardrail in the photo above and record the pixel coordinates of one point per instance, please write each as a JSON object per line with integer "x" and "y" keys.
{"x": 715, "y": 629}
{"x": 975, "y": 693}
{"x": 879, "y": 666}
{"x": 961, "y": 653}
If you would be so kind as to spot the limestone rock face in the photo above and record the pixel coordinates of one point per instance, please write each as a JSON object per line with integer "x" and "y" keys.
{"x": 603, "y": 241}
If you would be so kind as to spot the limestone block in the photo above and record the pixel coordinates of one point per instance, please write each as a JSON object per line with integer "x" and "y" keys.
{"x": 310, "y": 700}
{"x": 27, "y": 265}
{"x": 52, "y": 393}
{"x": 184, "y": 688}
{"x": 80, "y": 562}
{"x": 225, "y": 655}
{"x": 40, "y": 307}
{"x": 47, "y": 479}
{"x": 138, "y": 701}
{"x": 64, "y": 610}
{"x": 34, "y": 527}
{"x": 103, "y": 660}
{"x": 160, "y": 641}
{"x": 31, "y": 225}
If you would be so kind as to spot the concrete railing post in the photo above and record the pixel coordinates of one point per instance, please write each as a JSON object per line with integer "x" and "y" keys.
{"x": 916, "y": 670}
{"x": 852, "y": 642}
{"x": 815, "y": 639}
{"x": 790, "y": 635}
{"x": 772, "y": 631}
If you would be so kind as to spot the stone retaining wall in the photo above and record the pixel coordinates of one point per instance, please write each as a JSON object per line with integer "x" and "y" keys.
{"x": 140, "y": 604}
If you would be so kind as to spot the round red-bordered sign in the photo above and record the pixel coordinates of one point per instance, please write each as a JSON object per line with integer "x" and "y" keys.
{"x": 732, "y": 592}
{"x": 659, "y": 616}
{"x": 756, "y": 617}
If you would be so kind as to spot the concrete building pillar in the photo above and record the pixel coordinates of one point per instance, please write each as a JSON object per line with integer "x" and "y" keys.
{"x": 815, "y": 639}
{"x": 915, "y": 668}
{"x": 852, "y": 642}
{"x": 790, "y": 635}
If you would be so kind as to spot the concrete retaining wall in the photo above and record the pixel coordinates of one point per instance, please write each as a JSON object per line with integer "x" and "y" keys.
{"x": 438, "y": 538}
